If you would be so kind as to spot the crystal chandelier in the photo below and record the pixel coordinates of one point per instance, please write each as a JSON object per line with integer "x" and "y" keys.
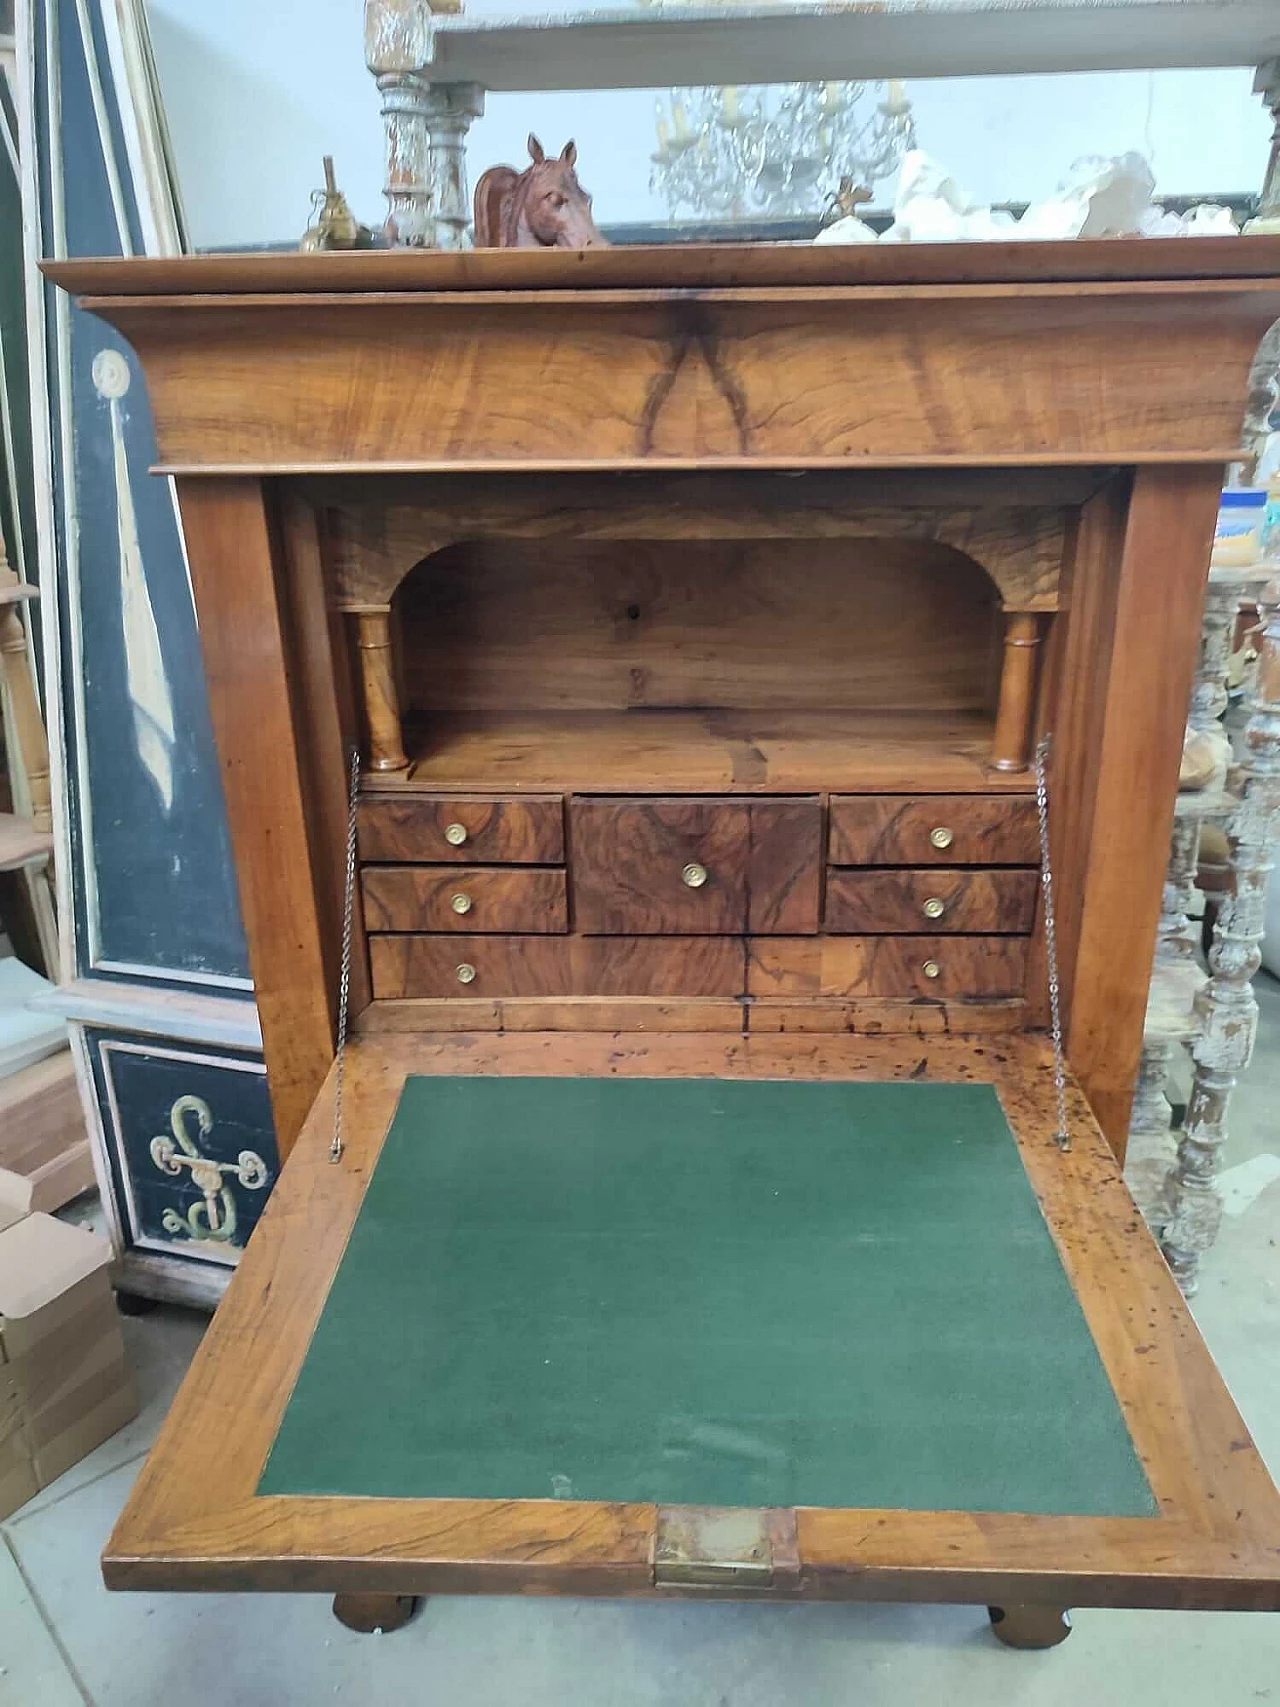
{"x": 775, "y": 150}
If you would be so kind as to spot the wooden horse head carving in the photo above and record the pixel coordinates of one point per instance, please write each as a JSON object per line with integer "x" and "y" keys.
{"x": 543, "y": 207}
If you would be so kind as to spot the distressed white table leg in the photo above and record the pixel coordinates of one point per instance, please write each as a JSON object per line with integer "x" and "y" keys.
{"x": 1152, "y": 1150}
{"x": 1225, "y": 1044}
{"x": 450, "y": 109}
{"x": 426, "y": 125}
{"x": 408, "y": 187}
{"x": 1267, "y": 84}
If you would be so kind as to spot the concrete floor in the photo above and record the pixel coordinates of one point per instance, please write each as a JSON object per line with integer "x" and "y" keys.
{"x": 64, "y": 1641}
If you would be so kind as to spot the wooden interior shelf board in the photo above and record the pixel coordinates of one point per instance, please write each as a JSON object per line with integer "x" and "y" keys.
{"x": 869, "y": 1016}
{"x": 675, "y": 752}
{"x": 194, "y": 1512}
{"x": 21, "y": 842}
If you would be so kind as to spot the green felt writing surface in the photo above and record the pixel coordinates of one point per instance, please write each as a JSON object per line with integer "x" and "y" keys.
{"x": 705, "y": 1291}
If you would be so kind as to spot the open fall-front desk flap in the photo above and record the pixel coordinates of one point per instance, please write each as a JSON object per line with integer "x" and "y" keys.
{"x": 818, "y": 1298}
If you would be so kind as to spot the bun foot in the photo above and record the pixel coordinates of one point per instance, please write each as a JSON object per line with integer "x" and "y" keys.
{"x": 366, "y": 1613}
{"x": 1030, "y": 1626}
{"x": 135, "y": 1304}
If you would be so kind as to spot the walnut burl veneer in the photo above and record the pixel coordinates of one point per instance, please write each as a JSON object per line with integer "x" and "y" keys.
{"x": 697, "y": 612}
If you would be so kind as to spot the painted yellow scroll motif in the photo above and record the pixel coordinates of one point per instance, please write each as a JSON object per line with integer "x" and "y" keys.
{"x": 215, "y": 1216}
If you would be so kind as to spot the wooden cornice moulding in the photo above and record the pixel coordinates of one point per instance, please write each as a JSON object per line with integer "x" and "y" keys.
{"x": 696, "y": 266}
{"x": 857, "y": 361}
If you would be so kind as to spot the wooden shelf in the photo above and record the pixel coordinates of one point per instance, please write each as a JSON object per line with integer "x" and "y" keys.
{"x": 702, "y": 267}
{"x": 701, "y": 751}
{"x": 21, "y": 842}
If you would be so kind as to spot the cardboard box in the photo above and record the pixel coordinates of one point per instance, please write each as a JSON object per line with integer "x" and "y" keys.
{"x": 42, "y": 1132}
{"x": 65, "y": 1381}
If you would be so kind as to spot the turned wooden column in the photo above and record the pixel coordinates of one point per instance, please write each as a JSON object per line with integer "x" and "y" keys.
{"x": 381, "y": 698}
{"x": 1015, "y": 714}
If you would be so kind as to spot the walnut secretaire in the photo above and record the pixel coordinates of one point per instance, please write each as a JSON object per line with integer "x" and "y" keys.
{"x": 698, "y": 614}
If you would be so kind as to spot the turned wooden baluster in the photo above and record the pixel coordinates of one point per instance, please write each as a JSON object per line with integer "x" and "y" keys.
{"x": 1015, "y": 713}
{"x": 1227, "y": 590}
{"x": 1230, "y": 1011}
{"x": 1152, "y": 1151}
{"x": 381, "y": 697}
{"x": 30, "y": 745}
{"x": 426, "y": 126}
{"x": 1173, "y": 1018}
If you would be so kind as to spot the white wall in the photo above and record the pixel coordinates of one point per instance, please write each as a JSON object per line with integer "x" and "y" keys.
{"x": 258, "y": 90}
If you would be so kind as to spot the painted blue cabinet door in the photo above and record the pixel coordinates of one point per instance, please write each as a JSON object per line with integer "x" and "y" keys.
{"x": 153, "y": 879}
{"x": 189, "y": 1140}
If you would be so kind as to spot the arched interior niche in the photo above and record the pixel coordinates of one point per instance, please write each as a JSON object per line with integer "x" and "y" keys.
{"x": 839, "y": 625}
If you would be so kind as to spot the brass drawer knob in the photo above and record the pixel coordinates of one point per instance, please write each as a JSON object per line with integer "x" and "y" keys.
{"x": 466, "y": 973}
{"x": 942, "y": 837}
{"x": 455, "y": 834}
{"x": 931, "y": 969}
{"x": 694, "y": 875}
{"x": 461, "y": 903}
{"x": 934, "y": 907}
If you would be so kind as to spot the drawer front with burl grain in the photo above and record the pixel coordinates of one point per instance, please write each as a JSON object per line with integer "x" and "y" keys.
{"x": 695, "y": 866}
{"x": 470, "y": 829}
{"x": 407, "y": 966}
{"x": 900, "y": 900}
{"x": 933, "y": 829}
{"x": 466, "y": 898}
{"x": 964, "y": 968}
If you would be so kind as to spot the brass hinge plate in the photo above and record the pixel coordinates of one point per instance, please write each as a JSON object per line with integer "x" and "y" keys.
{"x": 727, "y": 1547}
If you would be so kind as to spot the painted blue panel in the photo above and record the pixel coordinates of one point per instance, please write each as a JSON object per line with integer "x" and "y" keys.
{"x": 190, "y": 1142}
{"x": 17, "y": 482}
{"x": 154, "y": 878}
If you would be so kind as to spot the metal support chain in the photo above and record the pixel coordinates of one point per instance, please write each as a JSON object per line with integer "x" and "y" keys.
{"x": 1062, "y": 1136}
{"x": 344, "y": 978}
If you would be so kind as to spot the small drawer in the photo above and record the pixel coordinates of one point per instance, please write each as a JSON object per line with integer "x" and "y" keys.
{"x": 556, "y": 966}
{"x": 866, "y": 902}
{"x": 463, "y": 898}
{"x": 935, "y": 829}
{"x": 468, "y": 828}
{"x": 964, "y": 968}
{"x": 708, "y": 867}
